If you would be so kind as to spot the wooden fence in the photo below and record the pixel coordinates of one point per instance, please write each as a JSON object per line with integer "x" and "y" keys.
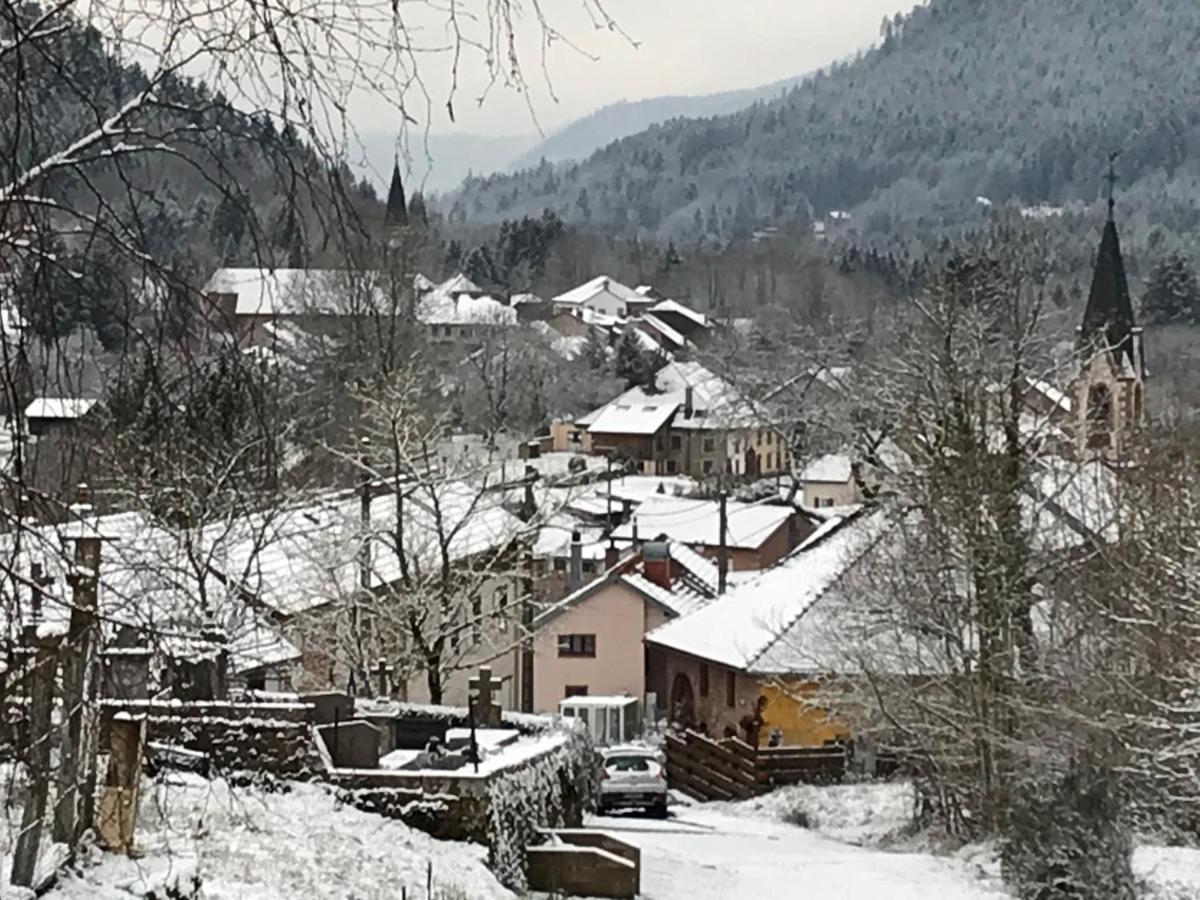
{"x": 730, "y": 769}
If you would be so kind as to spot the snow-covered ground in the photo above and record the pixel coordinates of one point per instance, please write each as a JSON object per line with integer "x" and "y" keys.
{"x": 699, "y": 854}
{"x": 754, "y": 849}
{"x": 246, "y": 843}
{"x": 249, "y": 843}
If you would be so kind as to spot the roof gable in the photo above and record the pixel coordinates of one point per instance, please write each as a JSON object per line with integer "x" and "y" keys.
{"x": 741, "y": 627}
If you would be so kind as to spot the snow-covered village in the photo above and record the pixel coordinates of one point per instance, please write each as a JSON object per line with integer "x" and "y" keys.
{"x": 678, "y": 450}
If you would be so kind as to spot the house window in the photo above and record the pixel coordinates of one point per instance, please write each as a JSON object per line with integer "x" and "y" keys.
{"x": 676, "y": 442}
{"x": 560, "y": 564}
{"x": 709, "y": 446}
{"x": 256, "y": 681}
{"x": 576, "y": 690}
{"x": 579, "y": 645}
{"x": 730, "y": 689}
{"x": 672, "y": 467}
{"x": 708, "y": 466}
{"x": 770, "y": 438}
{"x": 703, "y": 679}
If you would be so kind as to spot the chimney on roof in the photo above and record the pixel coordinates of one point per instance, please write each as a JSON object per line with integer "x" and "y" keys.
{"x": 688, "y": 402}
{"x": 528, "y": 504}
{"x": 656, "y": 563}
{"x": 575, "y": 572}
{"x": 612, "y": 555}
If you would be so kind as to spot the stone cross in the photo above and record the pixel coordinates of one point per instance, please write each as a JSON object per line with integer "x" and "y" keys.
{"x": 382, "y": 671}
{"x": 483, "y": 689}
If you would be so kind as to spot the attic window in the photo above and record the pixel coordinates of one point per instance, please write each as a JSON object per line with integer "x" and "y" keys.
{"x": 649, "y": 408}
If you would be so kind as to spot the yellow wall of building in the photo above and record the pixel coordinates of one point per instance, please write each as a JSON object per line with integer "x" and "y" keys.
{"x": 803, "y": 724}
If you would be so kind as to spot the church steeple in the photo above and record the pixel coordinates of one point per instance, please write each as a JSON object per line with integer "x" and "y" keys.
{"x": 1108, "y": 391}
{"x": 397, "y": 210}
{"x": 1108, "y": 319}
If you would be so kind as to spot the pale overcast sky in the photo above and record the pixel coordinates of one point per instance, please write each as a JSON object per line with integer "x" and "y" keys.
{"x": 684, "y": 47}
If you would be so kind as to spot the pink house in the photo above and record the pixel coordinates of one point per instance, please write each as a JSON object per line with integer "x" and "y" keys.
{"x": 590, "y": 643}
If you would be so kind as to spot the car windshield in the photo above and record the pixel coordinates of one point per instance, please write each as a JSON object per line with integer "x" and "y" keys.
{"x": 628, "y": 763}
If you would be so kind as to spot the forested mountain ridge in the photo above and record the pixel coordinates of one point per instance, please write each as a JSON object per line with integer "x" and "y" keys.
{"x": 1003, "y": 99}
{"x": 440, "y": 162}
{"x": 584, "y": 136}
{"x": 187, "y": 181}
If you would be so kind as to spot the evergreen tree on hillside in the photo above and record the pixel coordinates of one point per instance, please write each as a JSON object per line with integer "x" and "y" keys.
{"x": 635, "y": 365}
{"x": 595, "y": 353}
{"x": 228, "y": 227}
{"x": 1172, "y": 292}
{"x": 417, "y": 212}
{"x": 480, "y": 266}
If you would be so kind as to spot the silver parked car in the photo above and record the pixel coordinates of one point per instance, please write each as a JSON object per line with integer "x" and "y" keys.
{"x": 633, "y": 778}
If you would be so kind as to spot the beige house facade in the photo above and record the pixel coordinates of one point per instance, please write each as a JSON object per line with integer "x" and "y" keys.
{"x": 591, "y": 642}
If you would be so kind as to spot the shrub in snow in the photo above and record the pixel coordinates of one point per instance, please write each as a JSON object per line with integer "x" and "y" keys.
{"x": 1066, "y": 838}
{"x": 800, "y": 817}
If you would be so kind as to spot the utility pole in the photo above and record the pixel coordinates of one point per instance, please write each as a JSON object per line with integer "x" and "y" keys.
{"x": 723, "y": 547}
{"x": 364, "y": 561}
{"x": 364, "y": 514}
{"x": 77, "y": 664}
{"x": 527, "y": 611}
{"x": 42, "y": 650}
{"x": 608, "y": 522}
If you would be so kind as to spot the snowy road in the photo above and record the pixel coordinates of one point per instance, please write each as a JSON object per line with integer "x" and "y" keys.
{"x": 698, "y": 855}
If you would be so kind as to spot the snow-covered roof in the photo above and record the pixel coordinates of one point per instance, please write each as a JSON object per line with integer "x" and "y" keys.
{"x": 275, "y": 292}
{"x": 458, "y": 284}
{"x": 59, "y": 407}
{"x": 664, "y": 329}
{"x": 836, "y": 378}
{"x": 637, "y": 488}
{"x": 696, "y": 587}
{"x": 565, "y": 345}
{"x": 673, "y": 306}
{"x": 166, "y": 584}
{"x": 257, "y": 644}
{"x": 525, "y": 299}
{"x": 833, "y": 468}
{"x": 1052, "y": 393}
{"x": 697, "y": 522}
{"x": 1071, "y": 503}
{"x": 716, "y": 403}
{"x": 680, "y": 600}
{"x": 739, "y": 629}
{"x": 644, "y": 418}
{"x": 441, "y": 307}
{"x": 307, "y": 556}
{"x": 579, "y": 296}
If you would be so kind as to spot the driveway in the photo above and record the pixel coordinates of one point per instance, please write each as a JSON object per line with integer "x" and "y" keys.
{"x": 698, "y": 855}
